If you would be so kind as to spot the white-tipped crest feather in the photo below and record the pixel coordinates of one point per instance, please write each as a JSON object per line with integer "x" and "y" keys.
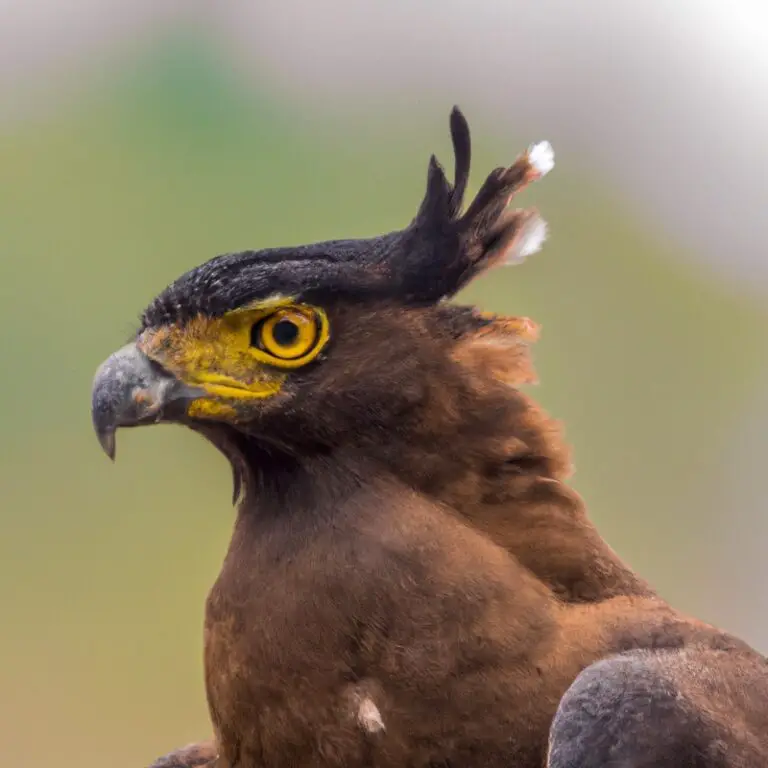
{"x": 529, "y": 242}
{"x": 541, "y": 156}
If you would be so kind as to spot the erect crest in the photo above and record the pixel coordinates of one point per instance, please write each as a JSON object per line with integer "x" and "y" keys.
{"x": 433, "y": 258}
{"x": 488, "y": 233}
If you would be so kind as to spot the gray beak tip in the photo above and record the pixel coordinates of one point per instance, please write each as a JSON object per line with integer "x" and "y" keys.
{"x": 108, "y": 443}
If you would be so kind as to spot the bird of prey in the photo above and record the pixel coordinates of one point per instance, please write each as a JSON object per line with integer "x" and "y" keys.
{"x": 410, "y": 580}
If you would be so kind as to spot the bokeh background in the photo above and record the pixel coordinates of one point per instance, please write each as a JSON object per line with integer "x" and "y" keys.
{"x": 139, "y": 138}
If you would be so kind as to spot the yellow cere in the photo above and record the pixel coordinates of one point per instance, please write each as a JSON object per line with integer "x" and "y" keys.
{"x": 245, "y": 354}
{"x": 211, "y": 409}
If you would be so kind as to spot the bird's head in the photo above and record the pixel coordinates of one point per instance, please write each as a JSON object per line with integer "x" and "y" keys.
{"x": 310, "y": 347}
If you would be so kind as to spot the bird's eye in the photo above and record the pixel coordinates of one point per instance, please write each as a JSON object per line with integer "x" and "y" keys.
{"x": 287, "y": 334}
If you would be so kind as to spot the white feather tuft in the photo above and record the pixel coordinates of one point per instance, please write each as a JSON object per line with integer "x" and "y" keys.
{"x": 541, "y": 156}
{"x": 529, "y": 242}
{"x": 369, "y": 717}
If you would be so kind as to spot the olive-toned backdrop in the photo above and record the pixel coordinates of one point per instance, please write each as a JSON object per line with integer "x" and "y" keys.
{"x": 171, "y": 159}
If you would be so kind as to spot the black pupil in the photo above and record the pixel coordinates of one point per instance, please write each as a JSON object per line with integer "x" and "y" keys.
{"x": 285, "y": 333}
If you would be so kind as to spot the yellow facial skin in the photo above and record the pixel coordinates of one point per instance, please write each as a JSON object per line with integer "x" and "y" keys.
{"x": 242, "y": 356}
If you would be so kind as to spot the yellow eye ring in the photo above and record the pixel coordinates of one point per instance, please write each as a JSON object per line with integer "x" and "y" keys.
{"x": 288, "y": 334}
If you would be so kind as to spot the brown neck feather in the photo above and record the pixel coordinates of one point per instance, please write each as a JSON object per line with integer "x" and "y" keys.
{"x": 488, "y": 451}
{"x": 483, "y": 449}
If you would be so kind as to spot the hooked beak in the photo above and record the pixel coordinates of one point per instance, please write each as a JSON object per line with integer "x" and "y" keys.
{"x": 130, "y": 390}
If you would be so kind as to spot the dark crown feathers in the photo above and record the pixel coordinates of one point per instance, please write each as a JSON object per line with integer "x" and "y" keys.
{"x": 433, "y": 258}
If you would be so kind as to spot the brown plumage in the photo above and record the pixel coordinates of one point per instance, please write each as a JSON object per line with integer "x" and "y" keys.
{"x": 410, "y": 580}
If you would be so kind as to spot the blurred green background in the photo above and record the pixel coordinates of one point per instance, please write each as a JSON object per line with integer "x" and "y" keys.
{"x": 172, "y": 157}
